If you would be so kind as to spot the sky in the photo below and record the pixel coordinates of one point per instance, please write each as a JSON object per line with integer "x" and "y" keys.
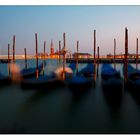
{"x": 78, "y": 22}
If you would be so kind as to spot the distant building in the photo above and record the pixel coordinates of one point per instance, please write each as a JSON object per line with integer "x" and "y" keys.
{"x": 109, "y": 55}
{"x": 82, "y": 55}
{"x": 41, "y": 55}
{"x": 55, "y": 55}
{"x": 133, "y": 55}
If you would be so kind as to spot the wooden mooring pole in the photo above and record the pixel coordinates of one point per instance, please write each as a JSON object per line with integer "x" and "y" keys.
{"x": 14, "y": 39}
{"x": 126, "y": 55}
{"x": 94, "y": 46}
{"x": 57, "y": 56}
{"x": 44, "y": 56}
{"x": 44, "y": 50}
{"x": 77, "y": 57}
{"x": 9, "y": 59}
{"x": 25, "y": 58}
{"x": 98, "y": 51}
{"x": 8, "y": 53}
{"x": 36, "y": 43}
{"x": 136, "y": 53}
{"x": 59, "y": 51}
{"x": 94, "y": 74}
{"x": 13, "y": 65}
{"x": 64, "y": 54}
{"x": 114, "y": 53}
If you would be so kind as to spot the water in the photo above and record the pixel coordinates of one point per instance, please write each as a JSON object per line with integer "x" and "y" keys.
{"x": 58, "y": 111}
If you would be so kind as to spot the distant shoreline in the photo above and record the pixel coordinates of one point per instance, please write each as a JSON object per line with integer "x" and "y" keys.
{"x": 85, "y": 60}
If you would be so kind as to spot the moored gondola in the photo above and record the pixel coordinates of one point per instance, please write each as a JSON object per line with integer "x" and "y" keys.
{"x": 30, "y": 72}
{"x": 41, "y": 83}
{"x": 133, "y": 80}
{"x": 112, "y": 83}
{"x": 72, "y": 66}
{"x": 132, "y": 84}
{"x": 88, "y": 71}
{"x": 81, "y": 81}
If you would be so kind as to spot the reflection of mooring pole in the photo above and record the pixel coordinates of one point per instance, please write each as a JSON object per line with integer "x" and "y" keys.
{"x": 94, "y": 74}
{"x": 64, "y": 55}
{"x": 114, "y": 53}
{"x": 77, "y": 57}
{"x": 136, "y": 53}
{"x": 126, "y": 54}
{"x": 25, "y": 58}
{"x": 36, "y": 43}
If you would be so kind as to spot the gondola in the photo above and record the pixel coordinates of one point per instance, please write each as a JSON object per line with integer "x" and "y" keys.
{"x": 41, "y": 83}
{"x": 30, "y": 72}
{"x": 88, "y": 71}
{"x": 133, "y": 81}
{"x": 81, "y": 81}
{"x": 71, "y": 73}
{"x": 72, "y": 66}
{"x": 111, "y": 82}
{"x": 4, "y": 80}
{"x": 132, "y": 84}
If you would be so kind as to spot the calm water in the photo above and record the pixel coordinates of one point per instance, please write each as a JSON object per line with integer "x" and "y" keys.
{"x": 58, "y": 111}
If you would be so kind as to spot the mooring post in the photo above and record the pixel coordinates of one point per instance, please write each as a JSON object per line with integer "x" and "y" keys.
{"x": 8, "y": 53}
{"x": 25, "y": 58}
{"x": 126, "y": 54}
{"x": 94, "y": 46}
{"x": 59, "y": 51}
{"x": 57, "y": 56}
{"x": 98, "y": 51}
{"x": 94, "y": 74}
{"x": 44, "y": 50}
{"x": 44, "y": 56}
{"x": 98, "y": 60}
{"x": 36, "y": 43}
{"x": 136, "y": 53}
{"x": 114, "y": 53}
{"x": 64, "y": 54}
{"x": 77, "y": 57}
{"x": 14, "y": 39}
{"x": 9, "y": 59}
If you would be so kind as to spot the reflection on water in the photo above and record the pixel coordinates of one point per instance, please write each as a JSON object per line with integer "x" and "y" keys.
{"x": 59, "y": 111}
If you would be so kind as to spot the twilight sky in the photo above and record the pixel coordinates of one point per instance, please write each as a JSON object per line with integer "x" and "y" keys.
{"x": 78, "y": 22}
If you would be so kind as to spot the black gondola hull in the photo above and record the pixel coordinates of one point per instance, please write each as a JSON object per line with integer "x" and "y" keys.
{"x": 79, "y": 85}
{"x": 45, "y": 83}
